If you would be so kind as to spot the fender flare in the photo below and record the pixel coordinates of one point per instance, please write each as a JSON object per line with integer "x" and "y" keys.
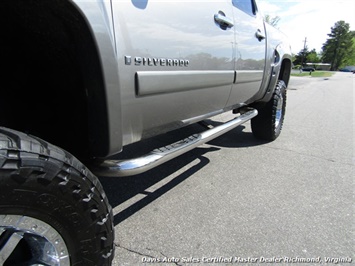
{"x": 104, "y": 102}
{"x": 280, "y": 70}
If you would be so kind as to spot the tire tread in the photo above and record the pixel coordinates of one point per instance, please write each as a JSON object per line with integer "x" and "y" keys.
{"x": 263, "y": 125}
{"x": 27, "y": 161}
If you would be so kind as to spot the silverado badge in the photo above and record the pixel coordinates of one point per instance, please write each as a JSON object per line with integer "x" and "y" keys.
{"x": 148, "y": 61}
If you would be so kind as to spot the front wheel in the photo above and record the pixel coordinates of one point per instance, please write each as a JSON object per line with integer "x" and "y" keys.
{"x": 53, "y": 210}
{"x": 268, "y": 123}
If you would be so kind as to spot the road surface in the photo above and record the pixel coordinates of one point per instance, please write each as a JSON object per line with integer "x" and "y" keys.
{"x": 242, "y": 201}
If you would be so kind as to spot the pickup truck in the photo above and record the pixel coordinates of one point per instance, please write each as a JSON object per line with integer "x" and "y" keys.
{"x": 82, "y": 79}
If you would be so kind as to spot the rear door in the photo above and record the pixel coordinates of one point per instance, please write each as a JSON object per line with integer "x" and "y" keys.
{"x": 175, "y": 62}
{"x": 250, "y": 41}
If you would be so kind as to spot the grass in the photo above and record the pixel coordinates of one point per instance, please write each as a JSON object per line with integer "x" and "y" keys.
{"x": 317, "y": 74}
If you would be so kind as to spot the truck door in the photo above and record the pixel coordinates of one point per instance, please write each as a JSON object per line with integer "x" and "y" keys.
{"x": 250, "y": 43}
{"x": 175, "y": 62}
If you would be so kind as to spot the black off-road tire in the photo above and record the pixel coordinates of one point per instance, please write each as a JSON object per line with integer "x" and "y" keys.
{"x": 48, "y": 187}
{"x": 267, "y": 125}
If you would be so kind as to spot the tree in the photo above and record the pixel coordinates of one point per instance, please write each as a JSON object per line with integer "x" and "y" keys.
{"x": 338, "y": 46}
{"x": 350, "y": 60}
{"x": 313, "y": 57}
{"x": 305, "y": 56}
{"x": 301, "y": 57}
{"x": 272, "y": 21}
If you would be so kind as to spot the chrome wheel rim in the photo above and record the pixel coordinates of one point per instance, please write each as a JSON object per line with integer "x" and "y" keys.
{"x": 41, "y": 243}
{"x": 279, "y": 112}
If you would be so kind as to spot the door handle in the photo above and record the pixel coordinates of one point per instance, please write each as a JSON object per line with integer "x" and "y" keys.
{"x": 259, "y": 35}
{"x": 223, "y": 21}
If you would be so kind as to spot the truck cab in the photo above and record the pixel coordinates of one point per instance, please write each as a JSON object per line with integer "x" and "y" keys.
{"x": 84, "y": 79}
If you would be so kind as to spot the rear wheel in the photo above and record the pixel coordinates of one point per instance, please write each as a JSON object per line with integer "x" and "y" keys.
{"x": 53, "y": 210}
{"x": 267, "y": 125}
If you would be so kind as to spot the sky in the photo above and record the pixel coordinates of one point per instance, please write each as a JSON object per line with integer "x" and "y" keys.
{"x": 311, "y": 19}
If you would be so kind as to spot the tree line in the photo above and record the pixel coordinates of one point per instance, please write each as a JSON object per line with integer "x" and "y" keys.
{"x": 338, "y": 50}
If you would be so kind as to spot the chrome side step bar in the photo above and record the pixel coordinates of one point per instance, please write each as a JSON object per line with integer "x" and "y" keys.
{"x": 114, "y": 168}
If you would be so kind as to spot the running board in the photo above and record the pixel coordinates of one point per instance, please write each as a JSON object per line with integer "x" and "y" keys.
{"x": 114, "y": 168}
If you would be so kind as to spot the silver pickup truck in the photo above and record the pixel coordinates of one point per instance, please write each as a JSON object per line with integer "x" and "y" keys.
{"x": 82, "y": 79}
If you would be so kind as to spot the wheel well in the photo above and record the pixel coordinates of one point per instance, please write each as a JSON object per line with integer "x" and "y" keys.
{"x": 285, "y": 71}
{"x": 51, "y": 78}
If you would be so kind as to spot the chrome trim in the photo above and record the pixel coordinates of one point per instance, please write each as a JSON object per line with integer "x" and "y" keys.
{"x": 154, "y": 61}
{"x": 114, "y": 168}
{"x": 10, "y": 246}
{"x": 157, "y": 82}
{"x": 259, "y": 35}
{"x": 201, "y": 117}
{"x": 279, "y": 112}
{"x": 45, "y": 244}
{"x": 223, "y": 20}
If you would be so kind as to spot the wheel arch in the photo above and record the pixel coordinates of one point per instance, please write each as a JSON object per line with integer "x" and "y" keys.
{"x": 285, "y": 71}
{"x": 58, "y": 57}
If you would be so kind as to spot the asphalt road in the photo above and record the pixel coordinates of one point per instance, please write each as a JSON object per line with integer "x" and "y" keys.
{"x": 240, "y": 200}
